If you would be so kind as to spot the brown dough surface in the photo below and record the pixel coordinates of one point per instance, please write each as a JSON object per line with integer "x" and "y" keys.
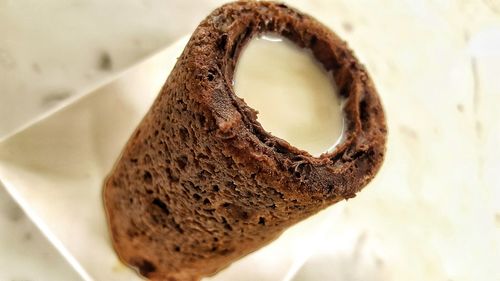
{"x": 201, "y": 183}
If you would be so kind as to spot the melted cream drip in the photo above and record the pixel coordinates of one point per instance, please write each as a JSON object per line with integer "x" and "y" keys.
{"x": 296, "y": 98}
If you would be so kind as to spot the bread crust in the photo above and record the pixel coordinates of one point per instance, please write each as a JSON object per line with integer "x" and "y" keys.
{"x": 201, "y": 183}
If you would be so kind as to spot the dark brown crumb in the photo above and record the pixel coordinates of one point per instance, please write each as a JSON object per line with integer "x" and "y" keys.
{"x": 201, "y": 183}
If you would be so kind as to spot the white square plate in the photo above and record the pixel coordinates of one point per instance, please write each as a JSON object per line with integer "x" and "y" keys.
{"x": 55, "y": 170}
{"x": 414, "y": 222}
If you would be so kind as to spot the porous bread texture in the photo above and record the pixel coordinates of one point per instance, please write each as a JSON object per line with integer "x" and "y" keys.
{"x": 201, "y": 183}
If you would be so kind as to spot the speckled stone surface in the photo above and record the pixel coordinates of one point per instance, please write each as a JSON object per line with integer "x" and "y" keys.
{"x": 436, "y": 66}
{"x": 50, "y": 51}
{"x": 25, "y": 254}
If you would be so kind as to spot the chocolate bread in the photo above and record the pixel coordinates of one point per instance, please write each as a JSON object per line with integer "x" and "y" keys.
{"x": 201, "y": 183}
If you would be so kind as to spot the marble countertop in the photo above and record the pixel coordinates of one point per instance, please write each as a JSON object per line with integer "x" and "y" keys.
{"x": 51, "y": 52}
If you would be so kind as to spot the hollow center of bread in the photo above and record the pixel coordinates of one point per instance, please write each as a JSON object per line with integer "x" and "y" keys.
{"x": 295, "y": 96}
